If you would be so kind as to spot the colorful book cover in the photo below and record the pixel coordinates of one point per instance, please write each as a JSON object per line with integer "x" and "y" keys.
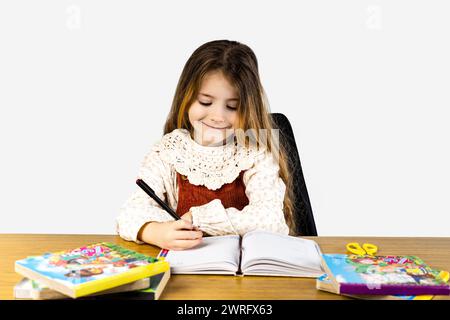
{"x": 325, "y": 283}
{"x": 90, "y": 269}
{"x": 384, "y": 275}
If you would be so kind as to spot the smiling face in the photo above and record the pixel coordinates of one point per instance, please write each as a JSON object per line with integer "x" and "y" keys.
{"x": 213, "y": 114}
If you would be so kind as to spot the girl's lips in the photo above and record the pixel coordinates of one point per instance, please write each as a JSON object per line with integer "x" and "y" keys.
{"x": 215, "y": 127}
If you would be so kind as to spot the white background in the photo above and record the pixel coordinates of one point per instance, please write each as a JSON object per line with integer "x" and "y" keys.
{"x": 85, "y": 88}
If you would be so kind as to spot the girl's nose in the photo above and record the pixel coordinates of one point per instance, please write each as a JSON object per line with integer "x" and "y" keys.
{"x": 217, "y": 114}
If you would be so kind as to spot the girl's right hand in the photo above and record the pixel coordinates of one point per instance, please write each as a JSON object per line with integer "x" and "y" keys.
{"x": 172, "y": 235}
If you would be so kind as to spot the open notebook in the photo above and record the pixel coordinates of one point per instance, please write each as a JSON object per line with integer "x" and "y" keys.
{"x": 256, "y": 253}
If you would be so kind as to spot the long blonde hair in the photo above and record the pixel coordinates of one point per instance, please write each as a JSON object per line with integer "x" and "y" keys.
{"x": 239, "y": 65}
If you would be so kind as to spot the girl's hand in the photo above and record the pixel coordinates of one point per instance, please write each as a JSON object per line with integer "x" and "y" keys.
{"x": 187, "y": 216}
{"x": 173, "y": 235}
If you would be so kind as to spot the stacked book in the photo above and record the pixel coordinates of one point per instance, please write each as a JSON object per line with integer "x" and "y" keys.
{"x": 97, "y": 271}
{"x": 382, "y": 277}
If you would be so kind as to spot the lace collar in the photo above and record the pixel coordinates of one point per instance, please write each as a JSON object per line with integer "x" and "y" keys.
{"x": 208, "y": 166}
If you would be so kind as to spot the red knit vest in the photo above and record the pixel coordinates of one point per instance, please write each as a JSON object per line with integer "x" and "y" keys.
{"x": 231, "y": 194}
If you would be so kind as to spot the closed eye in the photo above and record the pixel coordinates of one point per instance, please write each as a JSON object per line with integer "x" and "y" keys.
{"x": 207, "y": 104}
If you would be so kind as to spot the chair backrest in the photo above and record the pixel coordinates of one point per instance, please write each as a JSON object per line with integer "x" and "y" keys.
{"x": 303, "y": 214}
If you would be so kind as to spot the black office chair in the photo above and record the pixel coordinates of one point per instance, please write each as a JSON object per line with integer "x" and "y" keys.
{"x": 303, "y": 214}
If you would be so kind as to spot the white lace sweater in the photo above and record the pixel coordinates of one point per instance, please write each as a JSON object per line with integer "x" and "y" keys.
{"x": 211, "y": 167}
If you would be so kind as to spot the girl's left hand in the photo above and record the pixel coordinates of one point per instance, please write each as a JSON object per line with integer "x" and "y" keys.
{"x": 188, "y": 217}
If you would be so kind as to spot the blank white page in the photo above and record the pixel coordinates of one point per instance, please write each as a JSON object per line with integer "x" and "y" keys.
{"x": 213, "y": 255}
{"x": 280, "y": 250}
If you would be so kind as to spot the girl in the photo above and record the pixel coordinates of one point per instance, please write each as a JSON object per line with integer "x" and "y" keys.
{"x": 206, "y": 165}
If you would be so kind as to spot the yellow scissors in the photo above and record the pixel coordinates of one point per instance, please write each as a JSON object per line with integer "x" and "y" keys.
{"x": 367, "y": 248}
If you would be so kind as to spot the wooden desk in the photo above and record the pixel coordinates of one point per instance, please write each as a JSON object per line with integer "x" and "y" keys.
{"x": 434, "y": 251}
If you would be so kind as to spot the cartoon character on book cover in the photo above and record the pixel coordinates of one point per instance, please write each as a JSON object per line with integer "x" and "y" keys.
{"x": 86, "y": 263}
{"x": 394, "y": 269}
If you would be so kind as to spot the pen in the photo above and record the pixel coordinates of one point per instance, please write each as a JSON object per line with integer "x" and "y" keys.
{"x": 141, "y": 183}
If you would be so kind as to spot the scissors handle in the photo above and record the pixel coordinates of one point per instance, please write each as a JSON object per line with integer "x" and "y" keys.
{"x": 355, "y": 248}
{"x": 371, "y": 249}
{"x": 367, "y": 248}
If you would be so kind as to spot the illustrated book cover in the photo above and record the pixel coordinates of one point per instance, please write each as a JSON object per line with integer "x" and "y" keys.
{"x": 324, "y": 283}
{"x": 384, "y": 275}
{"x": 90, "y": 269}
